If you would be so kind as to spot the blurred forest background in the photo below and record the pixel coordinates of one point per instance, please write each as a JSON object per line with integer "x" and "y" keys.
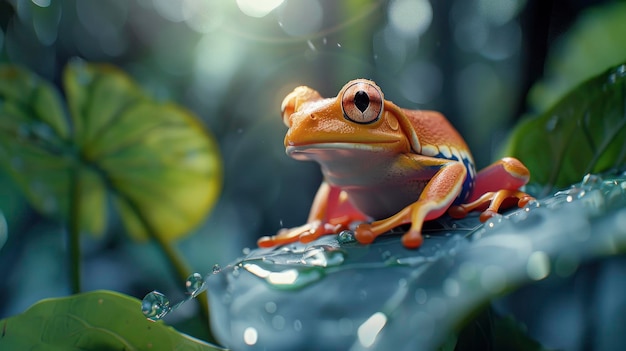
{"x": 232, "y": 62}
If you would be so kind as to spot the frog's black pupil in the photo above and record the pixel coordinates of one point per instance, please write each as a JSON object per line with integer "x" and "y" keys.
{"x": 361, "y": 100}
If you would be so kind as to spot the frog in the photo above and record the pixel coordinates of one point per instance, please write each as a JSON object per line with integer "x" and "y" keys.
{"x": 385, "y": 166}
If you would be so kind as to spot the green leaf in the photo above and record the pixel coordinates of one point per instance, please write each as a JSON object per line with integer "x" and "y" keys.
{"x": 99, "y": 320}
{"x": 594, "y": 43}
{"x": 333, "y": 294}
{"x": 585, "y": 132}
{"x": 155, "y": 160}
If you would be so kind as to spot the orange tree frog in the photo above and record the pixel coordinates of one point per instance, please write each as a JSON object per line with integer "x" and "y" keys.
{"x": 386, "y": 166}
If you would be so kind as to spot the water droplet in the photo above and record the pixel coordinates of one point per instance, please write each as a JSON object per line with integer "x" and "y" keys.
{"x": 346, "y": 236}
{"x": 216, "y": 268}
{"x": 270, "y": 307}
{"x": 552, "y": 123}
{"x": 494, "y": 221}
{"x": 250, "y": 336}
{"x": 618, "y": 73}
{"x": 155, "y": 306}
{"x": 538, "y": 265}
{"x": 368, "y": 331}
{"x": 246, "y": 250}
{"x": 420, "y": 296}
{"x": 386, "y": 255}
{"x": 322, "y": 256}
{"x": 195, "y": 284}
{"x": 591, "y": 180}
{"x": 362, "y": 294}
{"x": 278, "y": 322}
{"x": 297, "y": 325}
{"x": 235, "y": 271}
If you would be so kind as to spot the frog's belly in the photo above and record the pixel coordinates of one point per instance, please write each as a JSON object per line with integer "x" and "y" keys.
{"x": 386, "y": 200}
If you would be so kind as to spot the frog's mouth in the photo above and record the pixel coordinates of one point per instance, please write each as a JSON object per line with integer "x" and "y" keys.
{"x": 338, "y": 149}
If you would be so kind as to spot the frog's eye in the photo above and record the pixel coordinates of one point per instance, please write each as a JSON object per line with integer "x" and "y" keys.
{"x": 362, "y": 102}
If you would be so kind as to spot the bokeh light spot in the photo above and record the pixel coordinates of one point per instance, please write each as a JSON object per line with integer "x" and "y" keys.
{"x": 410, "y": 17}
{"x": 258, "y": 8}
{"x": 300, "y": 17}
{"x": 471, "y": 33}
{"x": 503, "y": 41}
{"x": 204, "y": 16}
{"x": 41, "y": 3}
{"x": 500, "y": 11}
{"x": 421, "y": 82}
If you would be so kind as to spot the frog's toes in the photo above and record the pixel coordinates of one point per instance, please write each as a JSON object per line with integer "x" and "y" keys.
{"x": 524, "y": 200}
{"x": 488, "y": 213}
{"x": 457, "y": 211}
{"x": 412, "y": 239}
{"x": 311, "y": 234}
{"x": 364, "y": 234}
{"x": 266, "y": 242}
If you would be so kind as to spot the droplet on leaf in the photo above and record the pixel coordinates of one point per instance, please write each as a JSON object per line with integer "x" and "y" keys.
{"x": 155, "y": 306}
{"x": 195, "y": 284}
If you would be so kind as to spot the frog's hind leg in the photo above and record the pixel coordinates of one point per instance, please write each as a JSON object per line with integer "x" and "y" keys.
{"x": 496, "y": 187}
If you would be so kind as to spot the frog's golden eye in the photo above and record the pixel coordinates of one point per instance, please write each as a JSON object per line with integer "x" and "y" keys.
{"x": 362, "y": 102}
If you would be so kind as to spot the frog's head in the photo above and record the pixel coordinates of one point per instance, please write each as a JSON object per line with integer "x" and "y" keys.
{"x": 357, "y": 120}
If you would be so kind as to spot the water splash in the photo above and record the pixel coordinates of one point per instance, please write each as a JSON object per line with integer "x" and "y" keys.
{"x": 155, "y": 305}
{"x": 293, "y": 267}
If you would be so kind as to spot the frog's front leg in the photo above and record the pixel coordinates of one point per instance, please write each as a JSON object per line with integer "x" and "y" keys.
{"x": 496, "y": 186}
{"x": 437, "y": 196}
{"x": 330, "y": 212}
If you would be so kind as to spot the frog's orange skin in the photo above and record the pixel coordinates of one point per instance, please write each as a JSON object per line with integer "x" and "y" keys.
{"x": 388, "y": 165}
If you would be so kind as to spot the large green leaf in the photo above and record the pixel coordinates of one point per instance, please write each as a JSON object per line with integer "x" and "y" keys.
{"x": 336, "y": 294}
{"x": 100, "y": 320}
{"x": 584, "y": 132}
{"x": 154, "y": 160}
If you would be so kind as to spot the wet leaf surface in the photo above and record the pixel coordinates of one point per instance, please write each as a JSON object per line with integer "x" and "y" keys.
{"x": 99, "y": 320}
{"x": 343, "y": 295}
{"x": 155, "y": 160}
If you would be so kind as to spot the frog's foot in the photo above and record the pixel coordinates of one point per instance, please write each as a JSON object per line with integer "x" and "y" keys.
{"x": 415, "y": 214}
{"x": 433, "y": 202}
{"x": 304, "y": 233}
{"x": 495, "y": 201}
